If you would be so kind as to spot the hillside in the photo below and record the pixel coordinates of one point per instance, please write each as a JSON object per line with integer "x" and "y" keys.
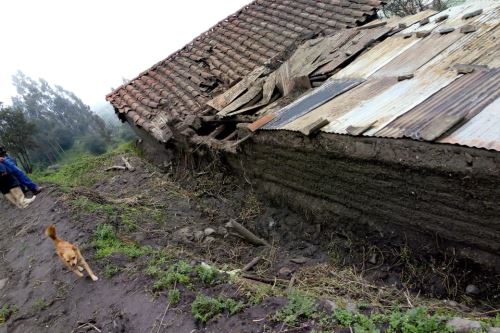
{"x": 167, "y": 262}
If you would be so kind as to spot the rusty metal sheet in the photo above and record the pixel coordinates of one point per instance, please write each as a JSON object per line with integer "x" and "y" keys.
{"x": 393, "y": 102}
{"x": 223, "y": 100}
{"x": 343, "y": 103}
{"x": 310, "y": 101}
{"x": 482, "y": 131}
{"x": 418, "y": 54}
{"x": 457, "y": 103}
{"x": 375, "y": 58}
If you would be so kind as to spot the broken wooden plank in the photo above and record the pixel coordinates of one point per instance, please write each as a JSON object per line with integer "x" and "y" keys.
{"x": 245, "y": 233}
{"x": 224, "y": 99}
{"x": 314, "y": 126}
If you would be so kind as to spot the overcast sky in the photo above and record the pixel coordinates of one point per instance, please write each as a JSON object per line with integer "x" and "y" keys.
{"x": 88, "y": 46}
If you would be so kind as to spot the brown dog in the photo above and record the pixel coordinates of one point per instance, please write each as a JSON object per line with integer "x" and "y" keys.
{"x": 69, "y": 254}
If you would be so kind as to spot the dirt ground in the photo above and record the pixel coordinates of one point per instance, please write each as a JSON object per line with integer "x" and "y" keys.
{"x": 170, "y": 214}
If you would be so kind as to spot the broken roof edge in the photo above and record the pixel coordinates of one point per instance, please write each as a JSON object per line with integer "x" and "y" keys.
{"x": 374, "y": 3}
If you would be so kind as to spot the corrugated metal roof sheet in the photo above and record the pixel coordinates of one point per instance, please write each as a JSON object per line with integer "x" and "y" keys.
{"x": 457, "y": 103}
{"x": 343, "y": 103}
{"x": 311, "y": 101}
{"x": 482, "y": 131}
{"x": 398, "y": 99}
{"x": 436, "y": 100}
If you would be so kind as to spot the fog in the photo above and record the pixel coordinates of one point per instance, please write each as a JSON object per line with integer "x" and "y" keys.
{"x": 88, "y": 47}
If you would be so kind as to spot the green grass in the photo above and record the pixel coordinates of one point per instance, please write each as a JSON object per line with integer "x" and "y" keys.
{"x": 174, "y": 296}
{"x": 205, "y": 308}
{"x": 300, "y": 306}
{"x": 107, "y": 243}
{"x": 175, "y": 274}
{"x": 207, "y": 274}
{"x": 6, "y": 311}
{"x": 79, "y": 168}
{"x": 417, "y": 320}
{"x": 40, "y": 304}
{"x": 110, "y": 270}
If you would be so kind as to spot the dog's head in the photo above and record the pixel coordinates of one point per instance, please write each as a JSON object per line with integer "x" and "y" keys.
{"x": 70, "y": 256}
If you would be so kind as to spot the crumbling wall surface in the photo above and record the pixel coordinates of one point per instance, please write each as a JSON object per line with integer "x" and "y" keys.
{"x": 433, "y": 196}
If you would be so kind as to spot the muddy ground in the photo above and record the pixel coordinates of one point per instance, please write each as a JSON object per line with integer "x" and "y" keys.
{"x": 169, "y": 214}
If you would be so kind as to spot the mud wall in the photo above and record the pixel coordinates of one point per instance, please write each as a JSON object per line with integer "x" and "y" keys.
{"x": 433, "y": 196}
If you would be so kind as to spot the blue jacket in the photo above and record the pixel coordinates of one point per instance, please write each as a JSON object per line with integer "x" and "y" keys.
{"x": 12, "y": 169}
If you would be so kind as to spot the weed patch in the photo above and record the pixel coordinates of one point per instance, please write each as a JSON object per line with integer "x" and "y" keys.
{"x": 107, "y": 243}
{"x": 299, "y": 306}
{"x": 176, "y": 273}
{"x": 207, "y": 274}
{"x": 6, "y": 311}
{"x": 417, "y": 320}
{"x": 205, "y": 308}
{"x": 174, "y": 296}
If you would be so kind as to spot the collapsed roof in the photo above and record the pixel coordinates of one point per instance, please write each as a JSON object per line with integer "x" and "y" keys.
{"x": 431, "y": 76}
{"x": 179, "y": 86}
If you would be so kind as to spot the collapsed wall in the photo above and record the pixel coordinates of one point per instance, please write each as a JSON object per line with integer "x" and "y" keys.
{"x": 435, "y": 196}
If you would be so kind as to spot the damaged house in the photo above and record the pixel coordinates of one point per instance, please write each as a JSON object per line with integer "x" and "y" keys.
{"x": 391, "y": 125}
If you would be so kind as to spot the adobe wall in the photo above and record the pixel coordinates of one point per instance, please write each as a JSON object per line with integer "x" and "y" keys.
{"x": 434, "y": 196}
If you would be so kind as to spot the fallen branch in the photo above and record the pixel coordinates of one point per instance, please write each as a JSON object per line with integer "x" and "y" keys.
{"x": 245, "y": 233}
{"x": 263, "y": 279}
{"x": 116, "y": 167}
{"x": 252, "y": 263}
{"x": 128, "y": 165}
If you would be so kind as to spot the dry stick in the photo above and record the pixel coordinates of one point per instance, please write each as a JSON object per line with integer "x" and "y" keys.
{"x": 251, "y": 264}
{"x": 116, "y": 167}
{"x": 127, "y": 164}
{"x": 245, "y": 233}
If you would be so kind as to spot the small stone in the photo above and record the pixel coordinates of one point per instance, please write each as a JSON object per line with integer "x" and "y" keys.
{"x": 209, "y": 240}
{"x": 472, "y": 14}
{"x": 441, "y": 18}
{"x": 402, "y": 26}
{"x": 405, "y": 77}
{"x": 3, "y": 282}
{"x": 184, "y": 234}
{"x": 408, "y": 35}
{"x": 423, "y": 34}
{"x": 464, "y": 69}
{"x": 461, "y": 325}
{"x": 221, "y": 231}
{"x": 299, "y": 260}
{"x": 472, "y": 290}
{"x": 494, "y": 330}
{"x": 373, "y": 259}
{"x": 284, "y": 272}
{"x": 446, "y": 31}
{"x": 199, "y": 235}
{"x": 424, "y": 21}
{"x": 331, "y": 305}
{"x": 209, "y": 231}
{"x": 468, "y": 28}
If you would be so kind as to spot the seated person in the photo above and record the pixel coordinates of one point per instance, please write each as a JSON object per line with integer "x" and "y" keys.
{"x": 10, "y": 188}
{"x": 12, "y": 168}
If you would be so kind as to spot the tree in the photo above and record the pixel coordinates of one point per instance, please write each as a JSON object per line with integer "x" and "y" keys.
{"x": 59, "y": 116}
{"x": 16, "y": 134}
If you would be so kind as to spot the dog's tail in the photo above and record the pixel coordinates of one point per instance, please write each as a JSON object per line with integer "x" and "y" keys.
{"x": 51, "y": 232}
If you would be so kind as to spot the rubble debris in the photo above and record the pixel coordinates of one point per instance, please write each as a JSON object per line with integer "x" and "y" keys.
{"x": 464, "y": 68}
{"x": 446, "y": 31}
{"x": 472, "y": 14}
{"x": 441, "y": 18}
{"x": 251, "y": 264}
{"x": 468, "y": 28}
{"x": 405, "y": 77}
{"x": 462, "y": 325}
{"x": 423, "y": 34}
{"x": 424, "y": 21}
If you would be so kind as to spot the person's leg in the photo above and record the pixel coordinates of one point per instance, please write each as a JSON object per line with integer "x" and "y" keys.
{"x": 25, "y": 181}
{"x": 10, "y": 197}
{"x": 20, "y": 198}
